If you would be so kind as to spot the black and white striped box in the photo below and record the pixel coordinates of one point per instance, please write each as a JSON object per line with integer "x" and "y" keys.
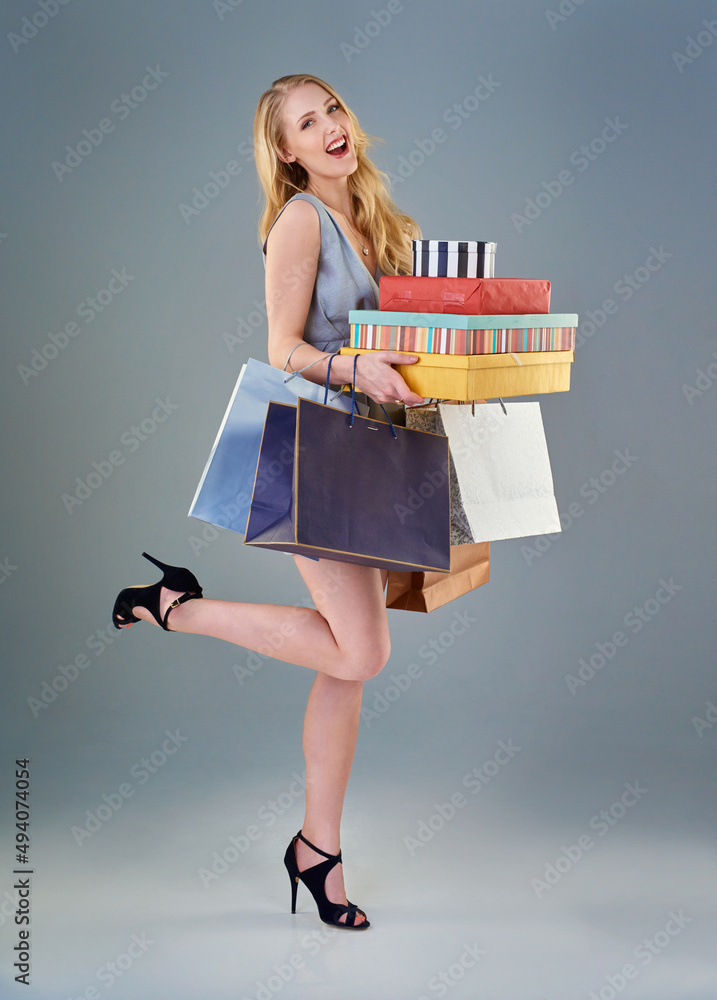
{"x": 453, "y": 259}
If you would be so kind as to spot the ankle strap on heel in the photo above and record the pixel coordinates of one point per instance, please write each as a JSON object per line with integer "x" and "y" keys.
{"x": 318, "y": 850}
{"x": 175, "y": 604}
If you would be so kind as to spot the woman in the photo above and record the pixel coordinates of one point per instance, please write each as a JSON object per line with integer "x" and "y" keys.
{"x": 329, "y": 230}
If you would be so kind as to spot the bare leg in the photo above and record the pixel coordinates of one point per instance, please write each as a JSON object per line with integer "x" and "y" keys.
{"x": 346, "y": 637}
{"x": 331, "y": 723}
{"x": 330, "y": 730}
{"x": 345, "y": 640}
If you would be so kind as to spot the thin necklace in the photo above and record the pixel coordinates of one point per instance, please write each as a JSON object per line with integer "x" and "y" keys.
{"x": 364, "y": 248}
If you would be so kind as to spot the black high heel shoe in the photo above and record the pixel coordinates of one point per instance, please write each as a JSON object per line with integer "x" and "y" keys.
{"x": 314, "y": 879}
{"x": 174, "y": 578}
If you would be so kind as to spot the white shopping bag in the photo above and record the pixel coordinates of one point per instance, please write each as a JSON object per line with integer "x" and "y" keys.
{"x": 503, "y": 469}
{"x": 223, "y": 496}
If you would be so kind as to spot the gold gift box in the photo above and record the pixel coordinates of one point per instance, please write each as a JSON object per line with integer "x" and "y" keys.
{"x": 484, "y": 376}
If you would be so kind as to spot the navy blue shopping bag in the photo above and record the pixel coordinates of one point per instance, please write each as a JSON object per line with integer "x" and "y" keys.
{"x": 353, "y": 489}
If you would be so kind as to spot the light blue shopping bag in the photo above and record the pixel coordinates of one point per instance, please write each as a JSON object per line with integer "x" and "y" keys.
{"x": 223, "y": 496}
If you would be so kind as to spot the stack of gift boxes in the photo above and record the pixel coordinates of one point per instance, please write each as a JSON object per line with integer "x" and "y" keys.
{"x": 476, "y": 336}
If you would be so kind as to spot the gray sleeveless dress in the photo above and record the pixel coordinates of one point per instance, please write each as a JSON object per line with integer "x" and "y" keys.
{"x": 342, "y": 283}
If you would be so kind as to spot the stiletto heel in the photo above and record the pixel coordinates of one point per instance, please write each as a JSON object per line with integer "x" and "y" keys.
{"x": 314, "y": 879}
{"x": 294, "y": 879}
{"x": 173, "y": 578}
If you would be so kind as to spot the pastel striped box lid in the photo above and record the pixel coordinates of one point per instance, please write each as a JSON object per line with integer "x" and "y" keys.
{"x": 421, "y": 333}
{"x": 455, "y": 321}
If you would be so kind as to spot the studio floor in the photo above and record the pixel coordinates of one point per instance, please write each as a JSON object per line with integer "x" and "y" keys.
{"x": 465, "y": 900}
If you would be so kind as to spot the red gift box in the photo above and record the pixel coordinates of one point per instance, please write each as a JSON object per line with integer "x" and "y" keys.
{"x": 464, "y": 296}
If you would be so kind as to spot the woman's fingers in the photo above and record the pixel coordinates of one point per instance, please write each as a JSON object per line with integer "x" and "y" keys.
{"x": 405, "y": 395}
{"x": 411, "y": 399}
{"x": 378, "y": 379}
{"x": 396, "y": 358}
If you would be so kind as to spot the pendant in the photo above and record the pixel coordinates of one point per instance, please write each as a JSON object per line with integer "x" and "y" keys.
{"x": 365, "y": 251}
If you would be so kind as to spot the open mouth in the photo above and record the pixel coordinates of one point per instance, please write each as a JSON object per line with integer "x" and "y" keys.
{"x": 338, "y": 147}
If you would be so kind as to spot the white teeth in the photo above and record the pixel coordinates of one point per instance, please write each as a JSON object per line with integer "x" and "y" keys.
{"x": 337, "y": 144}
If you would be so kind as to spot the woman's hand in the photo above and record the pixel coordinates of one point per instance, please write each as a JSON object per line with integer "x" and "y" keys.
{"x": 376, "y": 377}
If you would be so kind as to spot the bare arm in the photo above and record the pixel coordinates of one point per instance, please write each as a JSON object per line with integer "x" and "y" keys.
{"x": 292, "y": 254}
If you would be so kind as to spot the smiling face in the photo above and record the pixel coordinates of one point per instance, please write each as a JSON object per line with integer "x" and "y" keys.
{"x": 317, "y": 133}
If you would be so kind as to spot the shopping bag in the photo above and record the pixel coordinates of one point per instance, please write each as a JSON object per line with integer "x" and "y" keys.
{"x": 428, "y": 591}
{"x": 223, "y": 495}
{"x": 503, "y": 469}
{"x": 353, "y": 489}
{"x": 427, "y": 418}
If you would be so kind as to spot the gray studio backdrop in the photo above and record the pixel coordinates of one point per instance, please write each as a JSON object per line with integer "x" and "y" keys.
{"x": 534, "y": 776}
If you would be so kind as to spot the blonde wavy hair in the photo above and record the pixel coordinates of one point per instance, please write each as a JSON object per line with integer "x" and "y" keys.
{"x": 390, "y": 229}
